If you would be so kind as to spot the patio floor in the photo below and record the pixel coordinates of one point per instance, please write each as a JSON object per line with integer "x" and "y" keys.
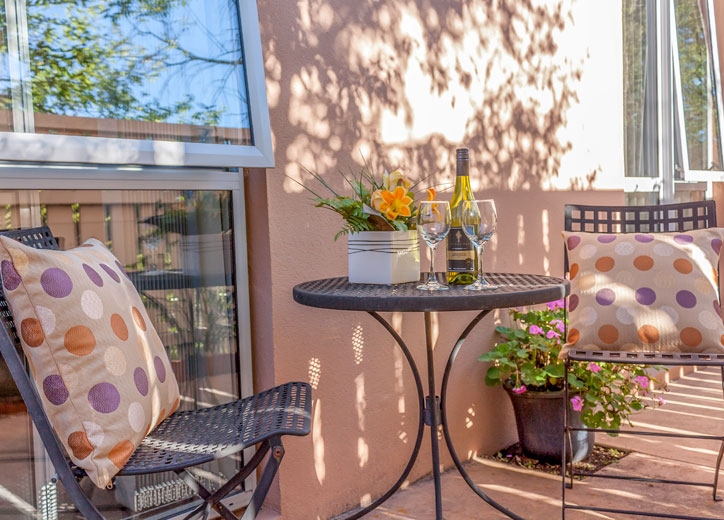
{"x": 693, "y": 405}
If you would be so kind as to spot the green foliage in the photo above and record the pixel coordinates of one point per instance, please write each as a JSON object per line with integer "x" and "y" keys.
{"x": 357, "y": 209}
{"x": 526, "y": 358}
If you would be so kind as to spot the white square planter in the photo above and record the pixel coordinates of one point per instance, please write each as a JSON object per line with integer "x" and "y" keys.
{"x": 383, "y": 257}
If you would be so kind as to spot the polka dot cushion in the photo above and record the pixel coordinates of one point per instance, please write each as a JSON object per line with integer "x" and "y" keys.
{"x": 98, "y": 364}
{"x": 645, "y": 291}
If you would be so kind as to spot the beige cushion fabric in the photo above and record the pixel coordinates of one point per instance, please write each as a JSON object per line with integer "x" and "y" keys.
{"x": 99, "y": 366}
{"x": 645, "y": 291}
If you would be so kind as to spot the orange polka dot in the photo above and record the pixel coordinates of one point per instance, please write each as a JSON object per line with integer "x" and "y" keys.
{"x": 683, "y": 265}
{"x": 80, "y": 445}
{"x": 643, "y": 262}
{"x": 175, "y": 406}
{"x": 32, "y": 332}
{"x": 648, "y": 334}
{"x": 120, "y": 453}
{"x": 120, "y": 329}
{"x": 138, "y": 318}
{"x": 79, "y": 340}
{"x": 691, "y": 337}
{"x": 608, "y": 334}
{"x": 574, "y": 271}
{"x": 574, "y": 335}
{"x": 605, "y": 264}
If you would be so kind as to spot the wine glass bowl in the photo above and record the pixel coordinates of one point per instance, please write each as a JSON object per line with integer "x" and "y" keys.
{"x": 433, "y": 225}
{"x": 479, "y": 220}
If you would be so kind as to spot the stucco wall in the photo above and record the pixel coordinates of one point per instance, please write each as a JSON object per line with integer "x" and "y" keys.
{"x": 532, "y": 88}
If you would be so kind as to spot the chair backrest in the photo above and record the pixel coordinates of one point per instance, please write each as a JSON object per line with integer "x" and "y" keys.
{"x": 639, "y": 219}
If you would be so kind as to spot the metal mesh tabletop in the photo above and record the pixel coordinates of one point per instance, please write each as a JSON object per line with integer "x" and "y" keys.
{"x": 511, "y": 290}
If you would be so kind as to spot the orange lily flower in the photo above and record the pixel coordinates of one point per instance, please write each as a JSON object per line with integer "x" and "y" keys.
{"x": 392, "y": 203}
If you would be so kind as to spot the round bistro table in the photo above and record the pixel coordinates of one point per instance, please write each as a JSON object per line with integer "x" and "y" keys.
{"x": 511, "y": 290}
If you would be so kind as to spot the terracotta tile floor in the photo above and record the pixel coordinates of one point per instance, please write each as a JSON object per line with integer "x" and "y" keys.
{"x": 693, "y": 404}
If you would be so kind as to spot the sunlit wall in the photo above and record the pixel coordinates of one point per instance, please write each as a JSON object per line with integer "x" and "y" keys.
{"x": 533, "y": 88}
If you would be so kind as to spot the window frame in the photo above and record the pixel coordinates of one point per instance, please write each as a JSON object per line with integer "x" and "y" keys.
{"x": 665, "y": 141}
{"x": 32, "y": 147}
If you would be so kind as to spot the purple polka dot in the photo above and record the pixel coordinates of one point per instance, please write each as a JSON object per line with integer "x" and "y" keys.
{"x": 93, "y": 275}
{"x": 683, "y": 239}
{"x": 141, "y": 380}
{"x": 121, "y": 269}
{"x": 644, "y": 239}
{"x": 605, "y": 297}
{"x": 606, "y": 239}
{"x": 55, "y": 390}
{"x": 11, "y": 278}
{"x": 109, "y": 270}
{"x": 716, "y": 245}
{"x": 56, "y": 282}
{"x": 686, "y": 299}
{"x": 160, "y": 369}
{"x": 645, "y": 296}
{"x": 573, "y": 242}
{"x": 104, "y": 398}
{"x": 717, "y": 308}
{"x": 573, "y": 302}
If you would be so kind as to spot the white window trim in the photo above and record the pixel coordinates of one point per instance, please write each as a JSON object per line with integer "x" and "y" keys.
{"x": 30, "y": 147}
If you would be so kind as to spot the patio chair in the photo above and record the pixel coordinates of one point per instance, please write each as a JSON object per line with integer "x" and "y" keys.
{"x": 628, "y": 222}
{"x": 183, "y": 440}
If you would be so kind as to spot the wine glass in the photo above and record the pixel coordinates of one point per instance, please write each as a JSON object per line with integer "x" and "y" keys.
{"x": 433, "y": 225}
{"x": 479, "y": 219}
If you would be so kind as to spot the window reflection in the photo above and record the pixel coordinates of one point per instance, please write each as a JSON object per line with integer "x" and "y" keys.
{"x": 138, "y": 69}
{"x": 177, "y": 248}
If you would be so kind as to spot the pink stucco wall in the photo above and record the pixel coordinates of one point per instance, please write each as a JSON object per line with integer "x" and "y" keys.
{"x": 532, "y": 88}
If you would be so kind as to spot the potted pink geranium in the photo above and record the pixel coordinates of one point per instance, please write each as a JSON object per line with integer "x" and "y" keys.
{"x": 525, "y": 361}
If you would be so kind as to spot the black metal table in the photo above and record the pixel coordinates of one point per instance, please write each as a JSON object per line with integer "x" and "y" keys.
{"x": 513, "y": 290}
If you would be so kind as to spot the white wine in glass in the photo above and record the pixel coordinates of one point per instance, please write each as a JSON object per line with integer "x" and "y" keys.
{"x": 433, "y": 225}
{"x": 479, "y": 219}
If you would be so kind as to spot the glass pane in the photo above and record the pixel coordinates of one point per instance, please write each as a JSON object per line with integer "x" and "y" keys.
{"x": 176, "y": 246}
{"x": 139, "y": 69}
{"x": 634, "y": 78}
{"x": 698, "y": 87}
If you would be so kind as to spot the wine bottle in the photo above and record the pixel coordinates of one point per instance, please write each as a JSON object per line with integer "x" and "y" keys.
{"x": 462, "y": 258}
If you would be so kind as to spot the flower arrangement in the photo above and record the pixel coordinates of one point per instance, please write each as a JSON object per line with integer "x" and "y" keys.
{"x": 527, "y": 359}
{"x": 373, "y": 206}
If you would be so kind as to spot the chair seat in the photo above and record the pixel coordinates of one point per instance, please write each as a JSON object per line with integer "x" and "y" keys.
{"x": 649, "y": 358}
{"x": 193, "y": 437}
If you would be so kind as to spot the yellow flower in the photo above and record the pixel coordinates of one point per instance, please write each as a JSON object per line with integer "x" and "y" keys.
{"x": 392, "y": 203}
{"x": 392, "y": 180}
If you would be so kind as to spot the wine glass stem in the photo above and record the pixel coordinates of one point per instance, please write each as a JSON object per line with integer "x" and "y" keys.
{"x": 481, "y": 278}
{"x": 432, "y": 264}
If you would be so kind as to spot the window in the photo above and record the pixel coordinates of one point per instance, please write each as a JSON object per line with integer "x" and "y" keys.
{"x": 163, "y": 82}
{"x": 672, "y": 100}
{"x": 131, "y": 121}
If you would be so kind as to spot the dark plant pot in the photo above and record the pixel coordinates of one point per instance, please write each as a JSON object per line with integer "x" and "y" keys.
{"x": 539, "y": 418}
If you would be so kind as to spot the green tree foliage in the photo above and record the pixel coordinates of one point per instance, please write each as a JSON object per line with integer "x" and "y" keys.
{"x": 99, "y": 59}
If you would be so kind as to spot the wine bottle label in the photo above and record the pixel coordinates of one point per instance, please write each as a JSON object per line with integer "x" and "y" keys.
{"x": 460, "y": 252}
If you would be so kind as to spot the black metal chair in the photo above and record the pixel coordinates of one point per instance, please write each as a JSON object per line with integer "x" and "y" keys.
{"x": 186, "y": 438}
{"x": 632, "y": 219}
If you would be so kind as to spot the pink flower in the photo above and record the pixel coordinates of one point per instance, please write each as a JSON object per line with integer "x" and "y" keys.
{"x": 535, "y": 329}
{"x": 577, "y": 403}
{"x": 559, "y": 325}
{"x": 520, "y": 389}
{"x": 593, "y": 367}
{"x": 552, "y": 334}
{"x": 643, "y": 381}
{"x": 662, "y": 401}
{"x": 558, "y": 304}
